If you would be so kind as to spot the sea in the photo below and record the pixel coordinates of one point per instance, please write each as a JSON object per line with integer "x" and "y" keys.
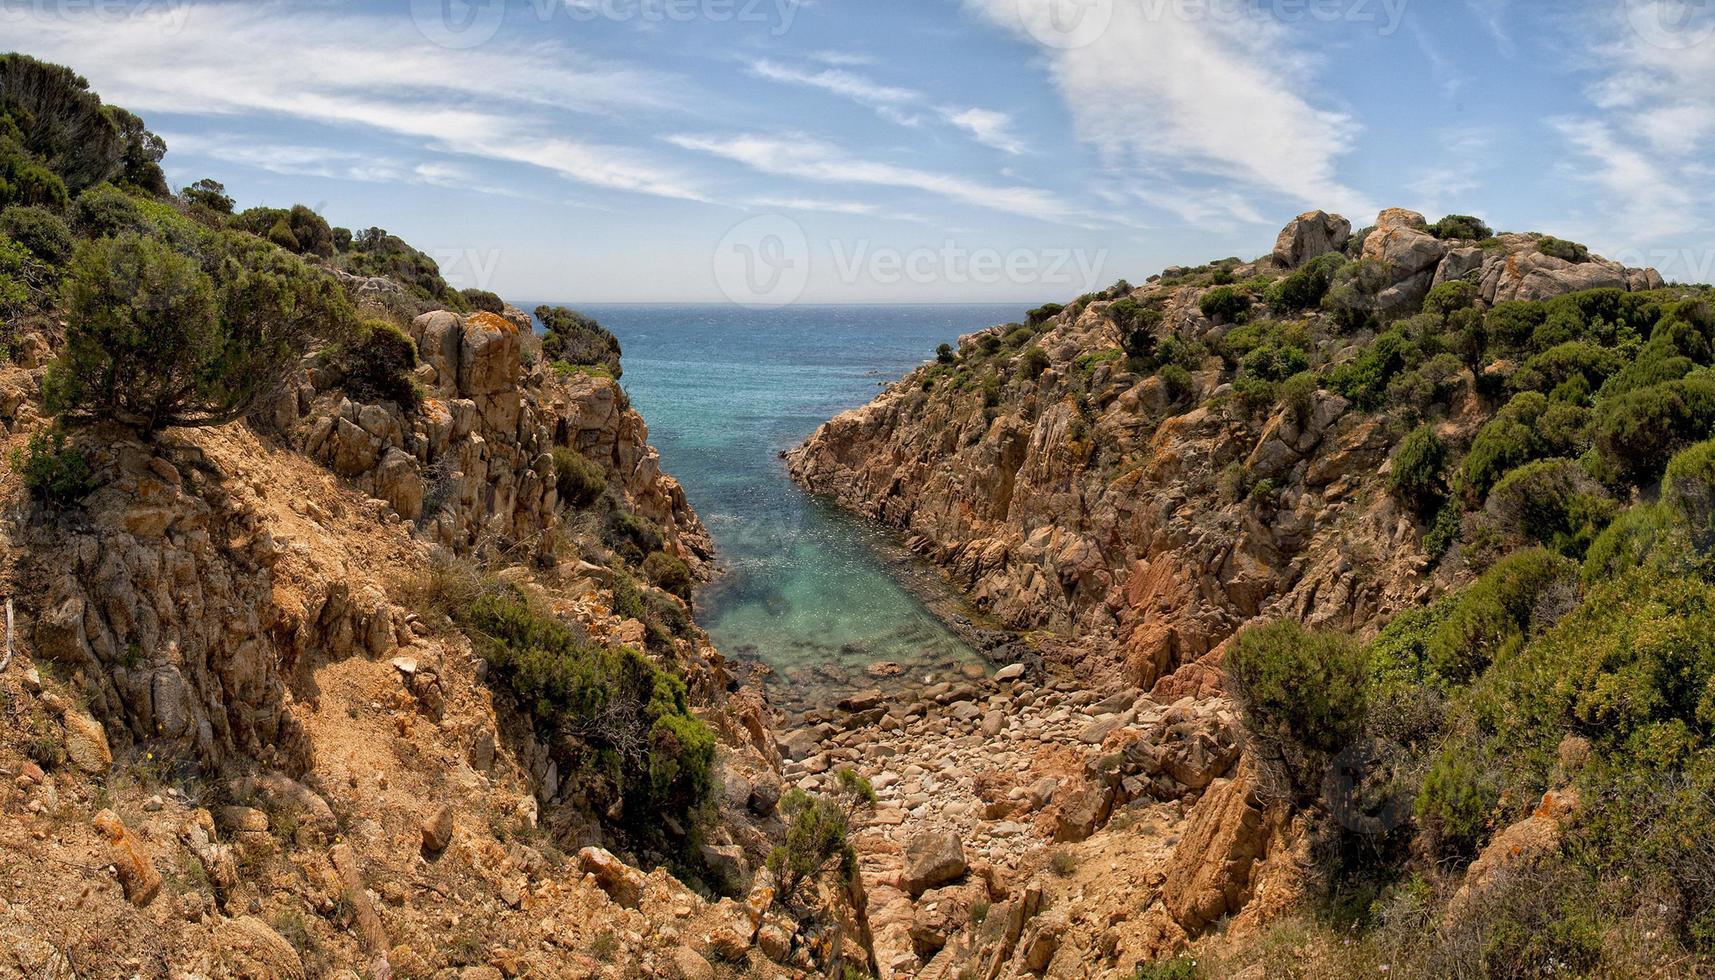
{"x": 803, "y": 586}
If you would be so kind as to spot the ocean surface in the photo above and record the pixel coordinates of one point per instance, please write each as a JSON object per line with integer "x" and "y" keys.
{"x": 725, "y": 391}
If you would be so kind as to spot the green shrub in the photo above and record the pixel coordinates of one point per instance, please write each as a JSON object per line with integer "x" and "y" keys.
{"x": 1365, "y": 378}
{"x": 1225, "y": 304}
{"x": 1297, "y": 396}
{"x": 818, "y": 835}
{"x": 1458, "y": 799}
{"x": 54, "y": 473}
{"x": 1177, "y": 968}
{"x": 77, "y": 139}
{"x": 39, "y": 230}
{"x": 1640, "y": 430}
{"x": 1351, "y": 299}
{"x": 378, "y": 363}
{"x": 1303, "y": 694}
{"x": 1033, "y": 363}
{"x": 1416, "y": 479}
{"x": 577, "y": 339}
{"x": 1529, "y": 427}
{"x": 1461, "y": 226}
{"x": 1450, "y": 297}
{"x": 374, "y": 252}
{"x": 579, "y": 481}
{"x": 1561, "y": 249}
{"x": 1497, "y": 612}
{"x": 1305, "y": 287}
{"x": 151, "y": 343}
{"x": 106, "y": 211}
{"x": 1553, "y": 502}
{"x": 616, "y": 700}
{"x": 632, "y": 536}
{"x": 669, "y": 573}
{"x": 208, "y": 193}
{"x": 1689, "y": 488}
{"x": 1573, "y": 360}
{"x": 1628, "y": 543}
{"x": 944, "y": 355}
{"x": 1042, "y": 314}
{"x": 15, "y": 276}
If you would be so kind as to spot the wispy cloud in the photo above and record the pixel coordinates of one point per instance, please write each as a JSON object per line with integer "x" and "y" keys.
{"x": 495, "y": 101}
{"x": 1492, "y": 16}
{"x": 809, "y": 159}
{"x": 1197, "y": 95}
{"x": 1460, "y": 168}
{"x": 1649, "y": 132}
{"x": 907, "y": 107}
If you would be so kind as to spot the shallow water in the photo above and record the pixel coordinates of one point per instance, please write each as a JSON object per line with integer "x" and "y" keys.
{"x": 725, "y": 391}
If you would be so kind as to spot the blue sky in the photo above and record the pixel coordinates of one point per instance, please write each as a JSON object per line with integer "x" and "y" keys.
{"x": 912, "y": 150}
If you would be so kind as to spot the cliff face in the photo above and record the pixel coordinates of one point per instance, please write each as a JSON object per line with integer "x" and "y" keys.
{"x": 227, "y": 687}
{"x": 1137, "y": 519}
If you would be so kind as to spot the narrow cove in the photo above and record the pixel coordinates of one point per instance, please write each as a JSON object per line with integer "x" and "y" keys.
{"x": 815, "y": 594}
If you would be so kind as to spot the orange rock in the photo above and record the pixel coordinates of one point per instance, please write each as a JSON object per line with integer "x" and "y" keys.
{"x": 137, "y": 874}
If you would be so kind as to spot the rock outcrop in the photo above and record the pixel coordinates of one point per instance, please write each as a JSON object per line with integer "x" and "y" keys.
{"x": 1087, "y": 504}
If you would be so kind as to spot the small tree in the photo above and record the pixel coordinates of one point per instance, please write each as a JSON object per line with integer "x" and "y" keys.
{"x": 1304, "y": 696}
{"x": 151, "y": 342}
{"x": 818, "y": 836}
{"x": 1416, "y": 478}
{"x": 210, "y": 194}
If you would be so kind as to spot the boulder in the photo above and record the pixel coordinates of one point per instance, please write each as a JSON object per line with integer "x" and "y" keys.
{"x": 137, "y": 874}
{"x": 86, "y": 742}
{"x": 1209, "y": 874}
{"x": 687, "y": 964}
{"x": 488, "y": 356}
{"x": 933, "y": 858}
{"x": 439, "y": 337}
{"x": 623, "y": 883}
{"x": 438, "y": 829}
{"x": 1083, "y": 811}
{"x": 249, "y": 948}
{"x": 1309, "y": 235}
{"x": 1411, "y": 255}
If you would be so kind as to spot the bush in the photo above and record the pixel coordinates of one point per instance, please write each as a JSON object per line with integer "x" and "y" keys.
{"x": 616, "y": 700}
{"x": 378, "y": 364}
{"x": 54, "y": 474}
{"x": 1449, "y": 298}
{"x": 482, "y": 299}
{"x": 577, "y": 339}
{"x": 1689, "y": 489}
{"x": 1225, "y": 304}
{"x": 1461, "y": 226}
{"x": 1042, "y": 314}
{"x": 374, "y": 252}
{"x": 1297, "y": 396}
{"x": 15, "y": 276}
{"x": 1555, "y": 503}
{"x": 1303, "y": 694}
{"x": 106, "y": 211}
{"x": 818, "y": 835}
{"x": 39, "y": 230}
{"x": 1497, "y": 612}
{"x": 1033, "y": 363}
{"x": 579, "y": 481}
{"x": 64, "y": 126}
{"x": 1416, "y": 479}
{"x": 1640, "y": 430}
{"x": 208, "y": 193}
{"x": 1561, "y": 249}
{"x": 632, "y": 536}
{"x": 669, "y": 573}
{"x": 1457, "y": 800}
{"x": 151, "y": 343}
{"x": 1305, "y": 287}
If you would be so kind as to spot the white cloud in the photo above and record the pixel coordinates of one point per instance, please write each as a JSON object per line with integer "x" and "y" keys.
{"x": 808, "y": 159}
{"x": 988, "y": 128}
{"x": 907, "y": 107}
{"x": 1650, "y": 130}
{"x": 497, "y": 101}
{"x": 1492, "y": 15}
{"x": 1197, "y": 95}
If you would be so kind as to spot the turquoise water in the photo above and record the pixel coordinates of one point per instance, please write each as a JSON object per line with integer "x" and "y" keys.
{"x": 725, "y": 391}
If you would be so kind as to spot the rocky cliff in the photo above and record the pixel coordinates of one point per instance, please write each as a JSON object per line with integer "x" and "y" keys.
{"x": 1131, "y": 516}
{"x": 243, "y": 735}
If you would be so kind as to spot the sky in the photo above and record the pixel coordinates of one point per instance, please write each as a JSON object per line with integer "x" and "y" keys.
{"x": 847, "y": 151}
